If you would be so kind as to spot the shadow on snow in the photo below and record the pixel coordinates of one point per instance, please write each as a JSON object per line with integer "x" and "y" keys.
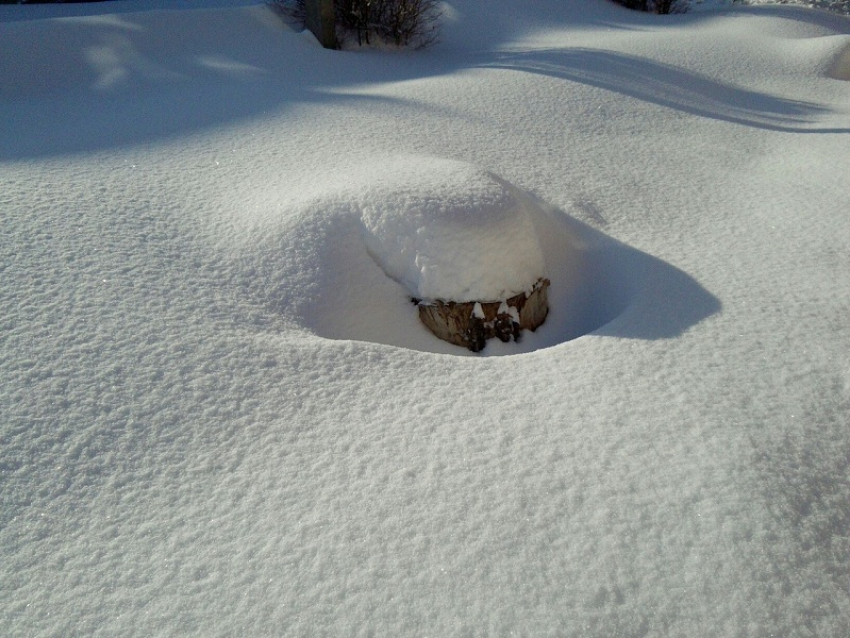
{"x": 106, "y": 81}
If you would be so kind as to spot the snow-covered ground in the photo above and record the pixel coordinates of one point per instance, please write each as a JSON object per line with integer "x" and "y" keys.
{"x": 219, "y": 416}
{"x": 839, "y": 6}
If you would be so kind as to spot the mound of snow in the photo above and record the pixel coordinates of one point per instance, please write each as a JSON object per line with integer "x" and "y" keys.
{"x": 450, "y": 230}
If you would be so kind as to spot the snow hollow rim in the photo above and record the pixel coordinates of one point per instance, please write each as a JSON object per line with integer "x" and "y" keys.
{"x": 310, "y": 265}
{"x": 609, "y": 293}
{"x": 590, "y": 288}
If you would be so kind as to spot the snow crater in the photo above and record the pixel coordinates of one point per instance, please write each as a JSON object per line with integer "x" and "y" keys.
{"x": 343, "y": 262}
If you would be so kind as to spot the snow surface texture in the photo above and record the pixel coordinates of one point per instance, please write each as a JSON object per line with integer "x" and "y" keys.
{"x": 220, "y": 417}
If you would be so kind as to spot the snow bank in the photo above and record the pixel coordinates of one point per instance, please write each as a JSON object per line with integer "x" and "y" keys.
{"x": 449, "y": 230}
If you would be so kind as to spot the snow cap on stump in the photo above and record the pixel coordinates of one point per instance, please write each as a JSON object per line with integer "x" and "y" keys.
{"x": 451, "y": 231}
{"x": 464, "y": 245}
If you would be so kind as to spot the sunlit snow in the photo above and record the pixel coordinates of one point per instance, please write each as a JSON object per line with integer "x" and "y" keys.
{"x": 221, "y": 416}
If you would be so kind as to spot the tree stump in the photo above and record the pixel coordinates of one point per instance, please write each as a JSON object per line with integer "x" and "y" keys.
{"x": 319, "y": 18}
{"x": 471, "y": 323}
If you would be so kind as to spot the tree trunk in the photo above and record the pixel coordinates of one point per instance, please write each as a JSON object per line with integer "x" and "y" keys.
{"x": 319, "y": 18}
{"x": 470, "y": 324}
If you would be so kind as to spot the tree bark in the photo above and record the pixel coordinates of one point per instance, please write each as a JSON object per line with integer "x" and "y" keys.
{"x": 319, "y": 18}
{"x": 470, "y": 324}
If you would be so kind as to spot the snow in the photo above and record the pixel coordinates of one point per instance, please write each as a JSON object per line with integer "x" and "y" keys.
{"x": 221, "y": 417}
{"x": 447, "y": 230}
{"x": 840, "y": 69}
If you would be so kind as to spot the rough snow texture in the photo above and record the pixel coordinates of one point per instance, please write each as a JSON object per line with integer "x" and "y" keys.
{"x": 220, "y": 417}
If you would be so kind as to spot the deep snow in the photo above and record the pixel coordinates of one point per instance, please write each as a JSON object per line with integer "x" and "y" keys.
{"x": 220, "y": 417}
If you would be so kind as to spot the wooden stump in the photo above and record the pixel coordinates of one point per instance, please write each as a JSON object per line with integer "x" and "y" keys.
{"x": 470, "y": 324}
{"x": 319, "y": 18}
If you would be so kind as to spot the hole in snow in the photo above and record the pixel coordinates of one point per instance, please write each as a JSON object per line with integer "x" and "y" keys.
{"x": 347, "y": 263}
